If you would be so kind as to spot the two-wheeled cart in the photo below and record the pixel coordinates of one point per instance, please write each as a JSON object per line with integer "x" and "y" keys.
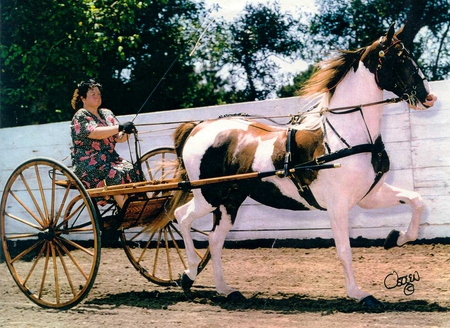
{"x": 51, "y": 226}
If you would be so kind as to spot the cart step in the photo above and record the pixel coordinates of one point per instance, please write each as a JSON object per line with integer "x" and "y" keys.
{"x": 142, "y": 211}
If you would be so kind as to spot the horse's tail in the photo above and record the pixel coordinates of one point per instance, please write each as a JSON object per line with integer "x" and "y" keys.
{"x": 178, "y": 197}
{"x": 180, "y": 136}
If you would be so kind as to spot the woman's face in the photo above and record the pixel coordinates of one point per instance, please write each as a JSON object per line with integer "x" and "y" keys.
{"x": 93, "y": 99}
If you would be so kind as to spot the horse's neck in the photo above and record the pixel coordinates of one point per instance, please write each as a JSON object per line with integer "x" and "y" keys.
{"x": 357, "y": 88}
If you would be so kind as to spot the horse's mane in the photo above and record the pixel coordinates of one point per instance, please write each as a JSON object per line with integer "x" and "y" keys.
{"x": 330, "y": 72}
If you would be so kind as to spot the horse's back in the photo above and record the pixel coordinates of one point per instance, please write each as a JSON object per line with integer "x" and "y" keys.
{"x": 235, "y": 146}
{"x": 231, "y": 146}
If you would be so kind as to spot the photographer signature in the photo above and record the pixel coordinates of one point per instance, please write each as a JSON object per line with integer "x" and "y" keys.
{"x": 393, "y": 280}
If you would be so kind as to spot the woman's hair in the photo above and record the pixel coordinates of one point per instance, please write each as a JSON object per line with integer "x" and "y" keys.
{"x": 81, "y": 91}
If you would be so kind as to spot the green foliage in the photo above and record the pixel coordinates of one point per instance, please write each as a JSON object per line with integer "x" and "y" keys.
{"x": 260, "y": 33}
{"x": 33, "y": 53}
{"x": 299, "y": 80}
{"x": 351, "y": 24}
{"x": 48, "y": 46}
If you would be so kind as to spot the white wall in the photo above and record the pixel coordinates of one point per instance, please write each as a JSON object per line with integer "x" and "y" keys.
{"x": 418, "y": 143}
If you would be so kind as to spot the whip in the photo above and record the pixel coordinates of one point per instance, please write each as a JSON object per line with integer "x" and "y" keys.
{"x": 197, "y": 43}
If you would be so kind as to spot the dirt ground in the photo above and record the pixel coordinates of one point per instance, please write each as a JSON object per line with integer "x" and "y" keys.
{"x": 285, "y": 287}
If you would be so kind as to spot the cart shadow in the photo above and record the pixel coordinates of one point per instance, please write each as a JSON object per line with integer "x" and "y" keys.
{"x": 280, "y": 302}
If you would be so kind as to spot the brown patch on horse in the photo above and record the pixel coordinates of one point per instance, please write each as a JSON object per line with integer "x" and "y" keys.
{"x": 255, "y": 127}
{"x": 230, "y": 153}
{"x": 308, "y": 145}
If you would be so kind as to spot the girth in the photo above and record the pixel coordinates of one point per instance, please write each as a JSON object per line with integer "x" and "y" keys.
{"x": 380, "y": 163}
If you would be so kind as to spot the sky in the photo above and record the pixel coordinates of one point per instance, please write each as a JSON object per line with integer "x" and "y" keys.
{"x": 231, "y": 8}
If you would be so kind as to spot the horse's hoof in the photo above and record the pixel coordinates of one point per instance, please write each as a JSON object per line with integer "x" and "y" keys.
{"x": 371, "y": 302}
{"x": 186, "y": 283}
{"x": 235, "y": 296}
{"x": 391, "y": 239}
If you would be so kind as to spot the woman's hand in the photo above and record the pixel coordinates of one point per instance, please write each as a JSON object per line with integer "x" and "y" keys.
{"x": 127, "y": 127}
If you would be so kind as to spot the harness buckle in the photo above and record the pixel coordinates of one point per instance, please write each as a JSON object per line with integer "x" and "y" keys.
{"x": 319, "y": 162}
{"x": 287, "y": 159}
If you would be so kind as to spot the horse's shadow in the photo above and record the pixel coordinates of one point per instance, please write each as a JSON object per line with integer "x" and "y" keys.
{"x": 281, "y": 302}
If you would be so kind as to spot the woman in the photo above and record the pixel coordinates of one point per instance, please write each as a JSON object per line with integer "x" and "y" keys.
{"x": 95, "y": 132}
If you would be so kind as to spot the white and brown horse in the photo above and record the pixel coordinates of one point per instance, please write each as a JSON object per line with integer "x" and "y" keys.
{"x": 234, "y": 145}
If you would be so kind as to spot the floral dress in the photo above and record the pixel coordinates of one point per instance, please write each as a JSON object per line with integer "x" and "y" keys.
{"x": 96, "y": 161}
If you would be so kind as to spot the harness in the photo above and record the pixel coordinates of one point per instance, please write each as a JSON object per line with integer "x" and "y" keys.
{"x": 380, "y": 159}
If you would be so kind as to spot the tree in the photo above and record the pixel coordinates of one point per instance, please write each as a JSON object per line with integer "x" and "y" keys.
{"x": 32, "y": 54}
{"x": 127, "y": 44}
{"x": 299, "y": 80}
{"x": 352, "y": 24}
{"x": 261, "y": 32}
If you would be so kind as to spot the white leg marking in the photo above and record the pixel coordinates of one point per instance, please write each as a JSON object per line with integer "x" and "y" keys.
{"x": 216, "y": 242}
{"x": 186, "y": 215}
{"x": 387, "y": 195}
{"x": 339, "y": 223}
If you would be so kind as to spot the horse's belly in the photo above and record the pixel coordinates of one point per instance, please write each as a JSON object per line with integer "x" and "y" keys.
{"x": 279, "y": 193}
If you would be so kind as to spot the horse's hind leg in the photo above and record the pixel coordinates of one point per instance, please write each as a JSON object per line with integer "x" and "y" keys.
{"x": 224, "y": 222}
{"x": 185, "y": 216}
{"x": 387, "y": 195}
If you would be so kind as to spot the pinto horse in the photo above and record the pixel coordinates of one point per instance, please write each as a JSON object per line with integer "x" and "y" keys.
{"x": 351, "y": 85}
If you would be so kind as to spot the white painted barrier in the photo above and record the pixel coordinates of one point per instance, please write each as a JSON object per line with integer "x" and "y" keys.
{"x": 418, "y": 143}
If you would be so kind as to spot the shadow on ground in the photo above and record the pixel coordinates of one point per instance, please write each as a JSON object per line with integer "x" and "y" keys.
{"x": 281, "y": 302}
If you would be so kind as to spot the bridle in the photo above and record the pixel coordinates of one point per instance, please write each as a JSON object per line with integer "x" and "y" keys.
{"x": 407, "y": 92}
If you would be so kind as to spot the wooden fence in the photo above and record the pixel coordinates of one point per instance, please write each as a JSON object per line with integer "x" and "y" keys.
{"x": 418, "y": 143}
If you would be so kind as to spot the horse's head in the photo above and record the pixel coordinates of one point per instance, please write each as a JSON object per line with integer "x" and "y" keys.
{"x": 396, "y": 70}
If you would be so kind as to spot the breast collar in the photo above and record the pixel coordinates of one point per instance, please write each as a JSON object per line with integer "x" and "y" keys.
{"x": 380, "y": 164}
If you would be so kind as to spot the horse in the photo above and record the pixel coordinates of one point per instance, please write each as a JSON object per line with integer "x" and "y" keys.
{"x": 343, "y": 127}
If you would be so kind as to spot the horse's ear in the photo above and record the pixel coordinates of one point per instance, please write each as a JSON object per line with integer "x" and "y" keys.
{"x": 390, "y": 34}
{"x": 400, "y": 32}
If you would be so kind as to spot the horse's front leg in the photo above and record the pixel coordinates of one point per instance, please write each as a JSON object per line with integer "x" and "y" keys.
{"x": 386, "y": 196}
{"x": 338, "y": 216}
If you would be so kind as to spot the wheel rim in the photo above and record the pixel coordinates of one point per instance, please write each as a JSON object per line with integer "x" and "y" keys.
{"x": 159, "y": 255}
{"x": 50, "y": 236}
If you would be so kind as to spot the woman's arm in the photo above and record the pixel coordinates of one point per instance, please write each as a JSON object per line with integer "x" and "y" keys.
{"x": 103, "y": 132}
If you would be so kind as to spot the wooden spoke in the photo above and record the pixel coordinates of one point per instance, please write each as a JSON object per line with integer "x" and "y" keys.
{"x": 49, "y": 233}
{"x": 66, "y": 271}
{"x": 34, "y": 264}
{"x": 28, "y": 209}
{"x": 41, "y": 190}
{"x": 30, "y": 224}
{"x": 177, "y": 247}
{"x": 25, "y": 252}
{"x": 44, "y": 273}
{"x": 158, "y": 254}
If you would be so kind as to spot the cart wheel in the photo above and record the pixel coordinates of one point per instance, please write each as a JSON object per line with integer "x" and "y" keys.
{"x": 159, "y": 255}
{"x": 49, "y": 233}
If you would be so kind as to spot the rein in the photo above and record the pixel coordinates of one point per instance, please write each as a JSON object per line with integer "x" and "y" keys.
{"x": 271, "y": 118}
{"x": 351, "y": 109}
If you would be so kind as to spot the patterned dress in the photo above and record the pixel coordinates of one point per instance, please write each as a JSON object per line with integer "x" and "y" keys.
{"x": 95, "y": 161}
